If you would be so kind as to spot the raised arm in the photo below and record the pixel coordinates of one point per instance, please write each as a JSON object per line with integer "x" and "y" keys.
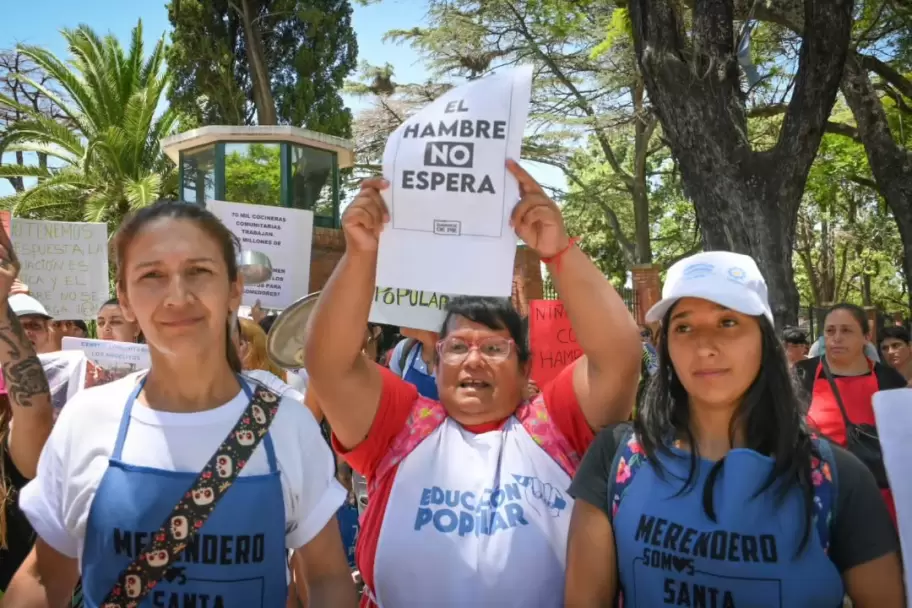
{"x": 348, "y": 384}
{"x": 26, "y": 385}
{"x": 605, "y": 378}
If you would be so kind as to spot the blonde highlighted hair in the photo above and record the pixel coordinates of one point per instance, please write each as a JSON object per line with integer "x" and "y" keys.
{"x": 256, "y": 358}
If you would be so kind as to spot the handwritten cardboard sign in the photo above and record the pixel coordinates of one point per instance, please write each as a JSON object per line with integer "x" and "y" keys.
{"x": 65, "y": 265}
{"x": 285, "y": 235}
{"x": 450, "y": 196}
{"x": 409, "y": 308}
{"x": 553, "y": 341}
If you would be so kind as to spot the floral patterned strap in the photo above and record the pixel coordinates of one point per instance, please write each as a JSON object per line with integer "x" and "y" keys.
{"x": 424, "y": 418}
{"x": 191, "y": 513}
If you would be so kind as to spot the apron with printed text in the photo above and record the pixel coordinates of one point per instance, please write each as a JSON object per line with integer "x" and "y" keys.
{"x": 474, "y": 520}
{"x": 425, "y": 383}
{"x": 671, "y": 554}
{"x": 237, "y": 559}
{"x": 857, "y": 394}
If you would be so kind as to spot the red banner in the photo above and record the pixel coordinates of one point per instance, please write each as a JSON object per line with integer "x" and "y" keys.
{"x": 552, "y": 340}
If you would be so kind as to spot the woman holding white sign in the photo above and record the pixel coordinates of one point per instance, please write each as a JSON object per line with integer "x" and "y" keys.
{"x": 132, "y": 485}
{"x": 469, "y": 491}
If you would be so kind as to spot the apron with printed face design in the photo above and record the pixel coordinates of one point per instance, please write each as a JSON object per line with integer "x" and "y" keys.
{"x": 671, "y": 554}
{"x": 474, "y": 520}
{"x": 236, "y": 560}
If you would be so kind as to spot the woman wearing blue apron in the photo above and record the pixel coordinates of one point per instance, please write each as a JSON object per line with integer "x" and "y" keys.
{"x": 718, "y": 494}
{"x": 413, "y": 361}
{"x": 186, "y": 485}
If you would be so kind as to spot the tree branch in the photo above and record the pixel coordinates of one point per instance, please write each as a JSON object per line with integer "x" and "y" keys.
{"x": 836, "y": 128}
{"x": 888, "y": 73}
{"x": 581, "y": 102}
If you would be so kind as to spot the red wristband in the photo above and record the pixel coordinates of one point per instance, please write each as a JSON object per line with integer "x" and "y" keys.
{"x": 555, "y": 259}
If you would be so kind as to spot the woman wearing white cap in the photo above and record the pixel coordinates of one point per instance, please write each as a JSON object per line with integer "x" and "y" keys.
{"x": 718, "y": 494}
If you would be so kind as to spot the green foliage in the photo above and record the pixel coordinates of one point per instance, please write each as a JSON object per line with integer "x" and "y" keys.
{"x": 847, "y": 244}
{"x": 310, "y": 48}
{"x": 254, "y": 177}
{"x": 106, "y": 149}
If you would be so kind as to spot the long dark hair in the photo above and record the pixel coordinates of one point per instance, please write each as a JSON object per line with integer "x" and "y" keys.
{"x": 770, "y": 415}
{"x": 207, "y": 222}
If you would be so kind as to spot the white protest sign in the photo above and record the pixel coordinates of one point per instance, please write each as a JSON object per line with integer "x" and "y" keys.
{"x": 65, "y": 265}
{"x": 285, "y": 236}
{"x": 408, "y": 308}
{"x": 893, "y": 414}
{"x": 107, "y": 361}
{"x": 450, "y": 196}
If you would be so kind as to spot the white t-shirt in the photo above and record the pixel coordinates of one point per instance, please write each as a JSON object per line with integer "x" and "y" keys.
{"x": 275, "y": 384}
{"x": 76, "y": 454}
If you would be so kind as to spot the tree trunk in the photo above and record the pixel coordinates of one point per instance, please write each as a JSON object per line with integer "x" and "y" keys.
{"x": 644, "y": 127}
{"x": 745, "y": 201}
{"x": 259, "y": 71}
{"x": 890, "y": 163}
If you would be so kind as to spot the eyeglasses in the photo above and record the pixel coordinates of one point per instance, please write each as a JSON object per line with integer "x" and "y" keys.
{"x": 455, "y": 350}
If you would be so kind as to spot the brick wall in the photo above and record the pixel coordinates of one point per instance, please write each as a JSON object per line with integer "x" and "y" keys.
{"x": 329, "y": 244}
{"x": 648, "y": 287}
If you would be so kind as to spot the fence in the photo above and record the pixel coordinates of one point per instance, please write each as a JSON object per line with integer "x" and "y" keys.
{"x": 629, "y": 296}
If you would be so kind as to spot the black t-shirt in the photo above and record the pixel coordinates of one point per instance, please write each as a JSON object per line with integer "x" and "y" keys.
{"x": 19, "y": 534}
{"x": 887, "y": 377}
{"x": 861, "y": 531}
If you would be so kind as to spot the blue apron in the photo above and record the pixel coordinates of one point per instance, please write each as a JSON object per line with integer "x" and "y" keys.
{"x": 426, "y": 385}
{"x": 670, "y": 553}
{"x": 349, "y": 527}
{"x": 237, "y": 560}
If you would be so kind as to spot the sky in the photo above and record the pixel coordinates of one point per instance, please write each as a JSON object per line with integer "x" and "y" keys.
{"x": 21, "y": 25}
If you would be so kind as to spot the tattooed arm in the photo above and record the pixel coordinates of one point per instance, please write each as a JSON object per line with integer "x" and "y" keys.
{"x": 28, "y": 392}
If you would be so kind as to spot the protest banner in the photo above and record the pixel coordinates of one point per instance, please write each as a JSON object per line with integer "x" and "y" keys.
{"x": 408, "y": 308}
{"x": 450, "y": 195}
{"x": 893, "y": 415}
{"x": 551, "y": 339}
{"x": 285, "y": 236}
{"x": 65, "y": 265}
{"x": 107, "y": 361}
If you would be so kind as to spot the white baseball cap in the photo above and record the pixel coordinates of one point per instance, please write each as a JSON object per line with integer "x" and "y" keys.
{"x": 24, "y": 305}
{"x": 729, "y": 279}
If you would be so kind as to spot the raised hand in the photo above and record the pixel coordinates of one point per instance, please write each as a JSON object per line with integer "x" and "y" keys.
{"x": 536, "y": 219}
{"x": 363, "y": 220}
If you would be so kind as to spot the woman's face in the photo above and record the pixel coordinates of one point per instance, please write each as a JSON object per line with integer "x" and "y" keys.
{"x": 112, "y": 325}
{"x": 843, "y": 336}
{"x": 716, "y": 352}
{"x": 479, "y": 377}
{"x": 176, "y": 288}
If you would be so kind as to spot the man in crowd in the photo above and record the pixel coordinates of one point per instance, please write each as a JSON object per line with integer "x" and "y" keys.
{"x": 796, "y": 344}
{"x": 896, "y": 346}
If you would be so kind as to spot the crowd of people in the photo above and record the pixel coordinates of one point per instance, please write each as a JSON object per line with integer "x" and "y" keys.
{"x": 701, "y": 459}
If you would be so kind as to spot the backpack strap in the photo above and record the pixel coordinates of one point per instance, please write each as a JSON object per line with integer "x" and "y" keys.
{"x": 404, "y": 355}
{"x": 628, "y": 458}
{"x": 424, "y": 418}
{"x": 825, "y": 483}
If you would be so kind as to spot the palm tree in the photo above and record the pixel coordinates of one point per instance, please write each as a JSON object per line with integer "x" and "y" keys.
{"x": 106, "y": 158}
